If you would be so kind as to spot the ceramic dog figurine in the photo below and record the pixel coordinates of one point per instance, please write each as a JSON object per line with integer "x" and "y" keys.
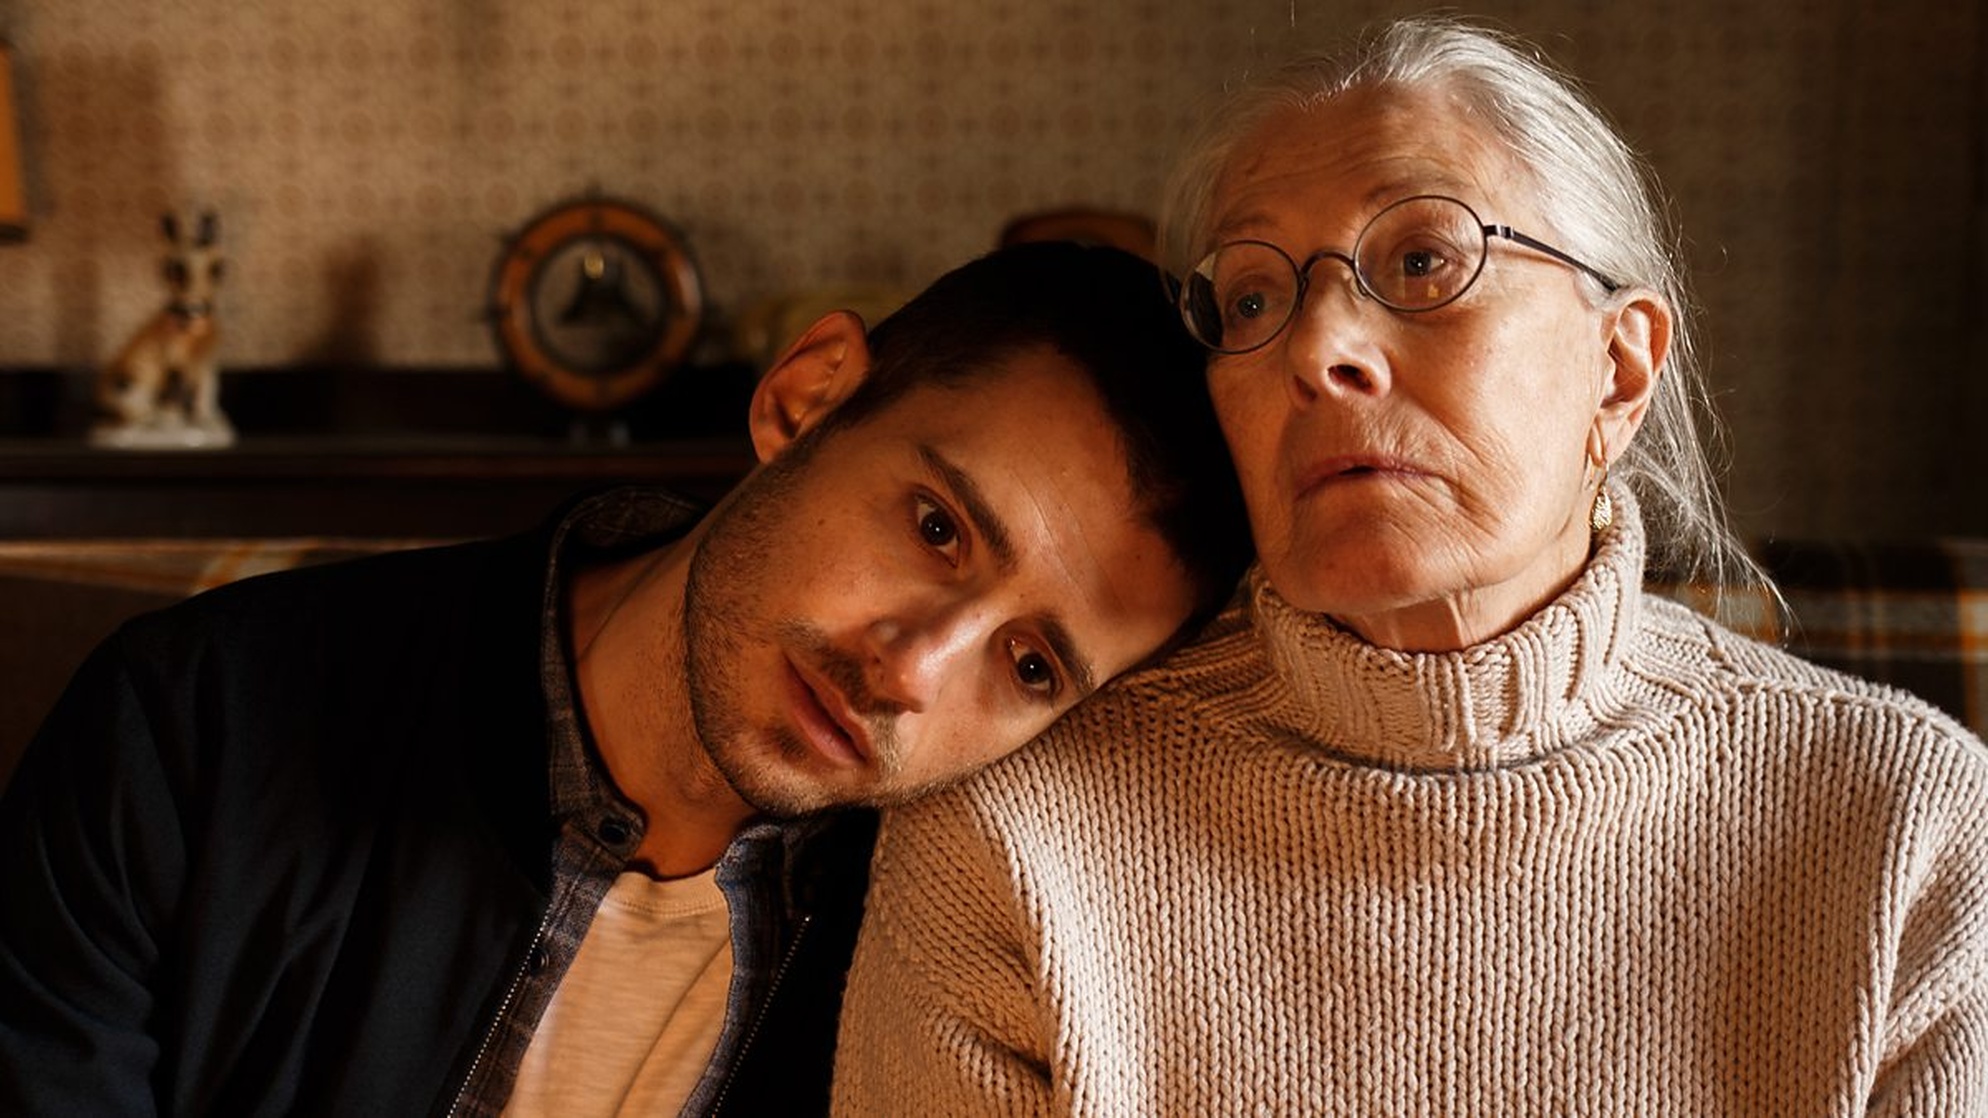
{"x": 164, "y": 388}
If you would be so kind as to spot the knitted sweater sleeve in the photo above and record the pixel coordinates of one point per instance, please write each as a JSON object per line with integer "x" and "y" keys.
{"x": 1942, "y": 1071}
{"x": 1934, "y": 1057}
{"x": 941, "y": 1012}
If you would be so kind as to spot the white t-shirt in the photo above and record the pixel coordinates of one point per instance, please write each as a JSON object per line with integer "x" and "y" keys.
{"x": 634, "y": 1021}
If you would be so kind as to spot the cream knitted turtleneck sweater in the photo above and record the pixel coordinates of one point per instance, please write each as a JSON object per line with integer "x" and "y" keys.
{"x": 1617, "y": 861}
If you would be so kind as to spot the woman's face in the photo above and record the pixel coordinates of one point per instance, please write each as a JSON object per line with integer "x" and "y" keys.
{"x": 1423, "y": 478}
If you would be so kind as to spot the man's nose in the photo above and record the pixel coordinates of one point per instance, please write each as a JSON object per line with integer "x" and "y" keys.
{"x": 1334, "y": 346}
{"x": 915, "y": 651}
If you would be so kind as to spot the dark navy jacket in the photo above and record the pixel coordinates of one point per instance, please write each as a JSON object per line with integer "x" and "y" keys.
{"x": 285, "y": 848}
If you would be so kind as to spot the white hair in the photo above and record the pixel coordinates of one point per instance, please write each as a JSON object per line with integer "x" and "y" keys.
{"x": 1598, "y": 195}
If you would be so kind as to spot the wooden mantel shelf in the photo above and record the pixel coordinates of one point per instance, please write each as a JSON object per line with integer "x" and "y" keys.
{"x": 341, "y": 486}
{"x": 334, "y": 452}
{"x": 395, "y": 456}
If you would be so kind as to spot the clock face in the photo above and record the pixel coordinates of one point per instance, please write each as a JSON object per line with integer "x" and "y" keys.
{"x": 598, "y": 304}
{"x": 595, "y": 303}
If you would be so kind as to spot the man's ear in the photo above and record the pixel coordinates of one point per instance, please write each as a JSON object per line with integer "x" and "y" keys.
{"x": 816, "y": 373}
{"x": 1638, "y": 344}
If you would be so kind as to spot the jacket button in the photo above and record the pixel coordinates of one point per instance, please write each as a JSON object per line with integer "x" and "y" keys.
{"x": 538, "y": 959}
{"x": 613, "y": 832}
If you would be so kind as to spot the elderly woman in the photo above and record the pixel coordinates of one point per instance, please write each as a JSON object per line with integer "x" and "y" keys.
{"x": 1444, "y": 815}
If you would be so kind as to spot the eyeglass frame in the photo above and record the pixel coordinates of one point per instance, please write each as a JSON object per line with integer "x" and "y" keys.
{"x": 1303, "y": 272}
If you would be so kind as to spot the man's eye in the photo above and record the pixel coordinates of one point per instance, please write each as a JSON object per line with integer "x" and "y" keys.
{"x": 936, "y": 527}
{"x": 1034, "y": 670}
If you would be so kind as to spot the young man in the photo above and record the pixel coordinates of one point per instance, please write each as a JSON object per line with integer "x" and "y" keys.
{"x": 536, "y": 826}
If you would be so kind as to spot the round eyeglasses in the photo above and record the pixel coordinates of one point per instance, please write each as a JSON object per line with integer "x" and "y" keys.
{"x": 1416, "y": 255}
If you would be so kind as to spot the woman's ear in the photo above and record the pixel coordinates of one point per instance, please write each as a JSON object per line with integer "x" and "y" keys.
{"x": 816, "y": 373}
{"x": 1638, "y": 344}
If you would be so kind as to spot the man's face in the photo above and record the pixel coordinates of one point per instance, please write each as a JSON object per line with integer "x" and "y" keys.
{"x": 895, "y": 604}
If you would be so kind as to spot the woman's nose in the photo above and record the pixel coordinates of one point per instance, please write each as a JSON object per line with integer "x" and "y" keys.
{"x": 1334, "y": 346}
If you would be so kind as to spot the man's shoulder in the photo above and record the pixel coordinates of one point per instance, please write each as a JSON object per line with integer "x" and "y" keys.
{"x": 350, "y": 596}
{"x": 420, "y": 647}
{"x": 417, "y": 581}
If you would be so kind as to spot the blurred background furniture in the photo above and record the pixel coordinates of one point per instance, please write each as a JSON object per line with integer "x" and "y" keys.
{"x": 1135, "y": 233}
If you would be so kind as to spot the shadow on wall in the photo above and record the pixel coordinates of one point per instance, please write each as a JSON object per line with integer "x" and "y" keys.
{"x": 350, "y": 339}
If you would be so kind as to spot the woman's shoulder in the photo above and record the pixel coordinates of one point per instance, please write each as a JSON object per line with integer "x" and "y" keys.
{"x": 1749, "y": 675}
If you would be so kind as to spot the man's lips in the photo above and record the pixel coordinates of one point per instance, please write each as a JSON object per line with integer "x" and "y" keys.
{"x": 826, "y": 719}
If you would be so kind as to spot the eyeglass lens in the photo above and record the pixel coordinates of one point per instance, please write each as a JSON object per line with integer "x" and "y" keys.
{"x": 1415, "y": 255}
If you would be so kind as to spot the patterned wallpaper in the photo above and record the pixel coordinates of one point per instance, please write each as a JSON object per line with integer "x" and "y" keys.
{"x": 368, "y": 157}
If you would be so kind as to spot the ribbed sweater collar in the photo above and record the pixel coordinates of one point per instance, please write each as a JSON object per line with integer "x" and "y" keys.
{"x": 1509, "y": 700}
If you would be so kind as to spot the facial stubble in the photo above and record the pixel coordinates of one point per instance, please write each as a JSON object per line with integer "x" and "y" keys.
{"x": 730, "y": 572}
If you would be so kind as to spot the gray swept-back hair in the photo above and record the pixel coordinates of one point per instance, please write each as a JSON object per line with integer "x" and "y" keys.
{"x": 1599, "y": 197}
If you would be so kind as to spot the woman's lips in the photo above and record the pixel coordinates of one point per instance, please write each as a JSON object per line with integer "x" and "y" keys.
{"x": 1352, "y": 468}
{"x": 826, "y": 720}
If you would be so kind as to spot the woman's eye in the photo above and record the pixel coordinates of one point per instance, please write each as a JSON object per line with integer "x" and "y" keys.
{"x": 1249, "y": 305}
{"x": 1421, "y": 258}
{"x": 936, "y": 527}
{"x": 1419, "y": 262}
{"x": 1247, "y": 297}
{"x": 1418, "y": 271}
{"x": 1034, "y": 670}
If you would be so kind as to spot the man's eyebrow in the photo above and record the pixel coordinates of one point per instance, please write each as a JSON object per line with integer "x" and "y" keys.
{"x": 1083, "y": 678}
{"x": 988, "y": 525}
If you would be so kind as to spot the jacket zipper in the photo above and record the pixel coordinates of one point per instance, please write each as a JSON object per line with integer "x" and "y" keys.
{"x": 503, "y": 1011}
{"x": 759, "y": 1019}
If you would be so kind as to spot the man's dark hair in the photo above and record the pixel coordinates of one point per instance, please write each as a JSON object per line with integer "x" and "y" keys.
{"x": 1109, "y": 312}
